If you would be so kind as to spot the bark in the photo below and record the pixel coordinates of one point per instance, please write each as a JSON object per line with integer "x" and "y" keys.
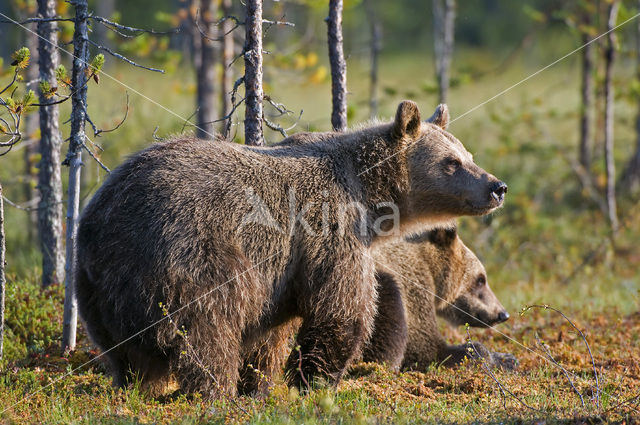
{"x": 206, "y": 72}
{"x": 338, "y": 66}
{"x": 49, "y": 175}
{"x": 587, "y": 103}
{"x": 31, "y": 143}
{"x": 375, "y": 28}
{"x": 253, "y": 74}
{"x": 74, "y": 161}
{"x": 444, "y": 15}
{"x": 3, "y": 280}
{"x": 630, "y": 181}
{"x": 227, "y": 58}
{"x": 608, "y": 116}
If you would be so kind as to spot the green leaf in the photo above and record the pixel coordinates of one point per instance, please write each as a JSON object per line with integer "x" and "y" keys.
{"x": 21, "y": 58}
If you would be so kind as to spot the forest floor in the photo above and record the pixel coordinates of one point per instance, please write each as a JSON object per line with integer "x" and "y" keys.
{"x": 548, "y": 245}
{"x": 554, "y": 382}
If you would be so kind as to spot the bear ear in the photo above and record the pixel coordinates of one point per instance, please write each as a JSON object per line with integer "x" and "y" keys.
{"x": 443, "y": 237}
{"x": 407, "y": 123}
{"x": 440, "y": 117}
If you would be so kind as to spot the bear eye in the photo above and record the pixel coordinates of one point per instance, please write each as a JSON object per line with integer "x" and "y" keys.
{"x": 453, "y": 164}
{"x": 481, "y": 281}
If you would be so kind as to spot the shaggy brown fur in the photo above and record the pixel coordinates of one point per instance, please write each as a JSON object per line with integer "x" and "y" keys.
{"x": 238, "y": 240}
{"x": 436, "y": 274}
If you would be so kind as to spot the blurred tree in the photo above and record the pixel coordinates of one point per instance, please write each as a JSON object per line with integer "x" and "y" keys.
{"x": 3, "y": 279}
{"x": 228, "y": 47}
{"x": 206, "y": 95}
{"x": 375, "y": 43}
{"x": 444, "y": 14}
{"x": 49, "y": 174}
{"x": 608, "y": 115}
{"x": 31, "y": 142}
{"x": 253, "y": 74}
{"x": 586, "y": 93}
{"x": 630, "y": 180}
{"x": 105, "y": 8}
{"x": 338, "y": 66}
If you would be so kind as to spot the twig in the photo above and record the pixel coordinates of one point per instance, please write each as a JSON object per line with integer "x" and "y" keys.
{"x": 500, "y": 385}
{"x": 189, "y": 119}
{"x": 126, "y": 115}
{"x": 109, "y": 23}
{"x": 123, "y": 58}
{"x": 593, "y": 363}
{"x": 37, "y": 20}
{"x": 304, "y": 380}
{"x": 155, "y": 136}
{"x": 564, "y": 371}
{"x": 95, "y": 158}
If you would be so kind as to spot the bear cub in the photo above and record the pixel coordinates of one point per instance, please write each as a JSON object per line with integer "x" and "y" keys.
{"x": 429, "y": 274}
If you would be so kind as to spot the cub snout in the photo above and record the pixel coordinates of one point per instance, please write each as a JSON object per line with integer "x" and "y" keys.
{"x": 498, "y": 190}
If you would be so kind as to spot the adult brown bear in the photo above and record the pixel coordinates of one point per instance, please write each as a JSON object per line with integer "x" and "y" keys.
{"x": 235, "y": 241}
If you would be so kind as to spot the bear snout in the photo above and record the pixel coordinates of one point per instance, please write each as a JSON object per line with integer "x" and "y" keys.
{"x": 498, "y": 191}
{"x": 503, "y": 316}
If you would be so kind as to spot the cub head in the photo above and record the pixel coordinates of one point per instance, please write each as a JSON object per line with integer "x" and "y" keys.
{"x": 444, "y": 181}
{"x": 461, "y": 280}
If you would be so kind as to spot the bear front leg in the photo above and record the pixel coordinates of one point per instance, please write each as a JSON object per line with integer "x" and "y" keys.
{"x": 455, "y": 354}
{"x": 389, "y": 338}
{"x": 338, "y": 314}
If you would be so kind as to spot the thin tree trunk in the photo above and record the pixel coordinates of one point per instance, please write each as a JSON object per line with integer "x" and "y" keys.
{"x": 227, "y": 58}
{"x": 3, "y": 280}
{"x": 206, "y": 73}
{"x": 253, "y": 74}
{"x": 338, "y": 66}
{"x": 630, "y": 181}
{"x": 104, "y": 8}
{"x": 608, "y": 116}
{"x": 587, "y": 102}
{"x": 444, "y": 16}
{"x": 74, "y": 161}
{"x": 49, "y": 175}
{"x": 376, "y": 45}
{"x": 31, "y": 142}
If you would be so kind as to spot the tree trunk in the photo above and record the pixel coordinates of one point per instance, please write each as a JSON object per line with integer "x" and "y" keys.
{"x": 206, "y": 72}
{"x": 376, "y": 45}
{"x": 630, "y": 181}
{"x": 49, "y": 175}
{"x": 74, "y": 161}
{"x": 338, "y": 66}
{"x": 227, "y": 58}
{"x": 31, "y": 142}
{"x": 587, "y": 103}
{"x": 253, "y": 74}
{"x": 608, "y": 116}
{"x": 3, "y": 280}
{"x": 444, "y": 16}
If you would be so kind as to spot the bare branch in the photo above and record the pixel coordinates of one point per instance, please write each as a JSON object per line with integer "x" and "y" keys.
{"x": 95, "y": 158}
{"x": 111, "y": 25}
{"x": 123, "y": 58}
{"x": 37, "y": 20}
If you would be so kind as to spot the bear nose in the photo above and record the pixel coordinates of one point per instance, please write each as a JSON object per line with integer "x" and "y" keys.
{"x": 498, "y": 191}
{"x": 503, "y": 316}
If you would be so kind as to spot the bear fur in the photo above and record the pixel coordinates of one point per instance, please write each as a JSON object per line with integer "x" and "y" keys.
{"x": 194, "y": 253}
{"x": 423, "y": 276}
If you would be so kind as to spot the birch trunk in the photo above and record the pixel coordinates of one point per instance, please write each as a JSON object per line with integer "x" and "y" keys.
{"x": 74, "y": 161}
{"x": 338, "y": 66}
{"x": 587, "y": 103}
{"x": 444, "y": 16}
{"x": 608, "y": 117}
{"x": 49, "y": 174}
{"x": 227, "y": 58}
{"x": 3, "y": 280}
{"x": 253, "y": 74}
{"x": 375, "y": 28}
{"x": 206, "y": 72}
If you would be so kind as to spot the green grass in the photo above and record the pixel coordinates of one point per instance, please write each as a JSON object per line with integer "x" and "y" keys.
{"x": 534, "y": 249}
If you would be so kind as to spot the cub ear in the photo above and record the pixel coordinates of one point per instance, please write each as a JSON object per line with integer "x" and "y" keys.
{"x": 407, "y": 123}
{"x": 440, "y": 117}
{"x": 443, "y": 237}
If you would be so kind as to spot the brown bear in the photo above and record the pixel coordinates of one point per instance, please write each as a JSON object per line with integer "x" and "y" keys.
{"x": 193, "y": 252}
{"x": 429, "y": 274}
